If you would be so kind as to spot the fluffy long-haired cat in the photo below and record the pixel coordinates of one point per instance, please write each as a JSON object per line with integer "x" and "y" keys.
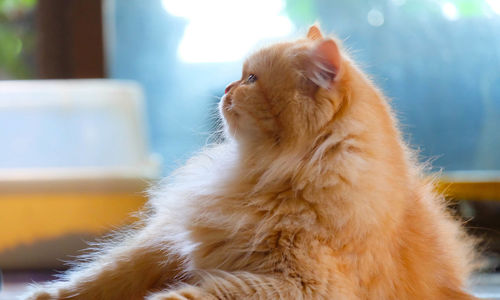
{"x": 313, "y": 195}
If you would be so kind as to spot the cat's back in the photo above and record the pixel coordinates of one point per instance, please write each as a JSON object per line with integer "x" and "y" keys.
{"x": 436, "y": 255}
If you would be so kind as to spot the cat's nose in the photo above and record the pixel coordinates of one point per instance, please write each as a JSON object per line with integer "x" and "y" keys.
{"x": 230, "y": 86}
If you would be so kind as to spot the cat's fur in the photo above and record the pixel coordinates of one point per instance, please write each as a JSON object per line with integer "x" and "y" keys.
{"x": 313, "y": 196}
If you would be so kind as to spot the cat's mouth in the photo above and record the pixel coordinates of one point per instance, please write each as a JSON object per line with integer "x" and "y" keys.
{"x": 227, "y": 108}
{"x": 227, "y": 105}
{"x": 227, "y": 102}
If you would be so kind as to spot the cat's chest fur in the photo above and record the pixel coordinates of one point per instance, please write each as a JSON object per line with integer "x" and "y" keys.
{"x": 263, "y": 232}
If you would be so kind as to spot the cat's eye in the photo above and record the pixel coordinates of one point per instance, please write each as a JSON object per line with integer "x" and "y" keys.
{"x": 251, "y": 78}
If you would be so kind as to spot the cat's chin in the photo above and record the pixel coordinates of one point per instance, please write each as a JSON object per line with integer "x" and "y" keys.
{"x": 226, "y": 104}
{"x": 227, "y": 113}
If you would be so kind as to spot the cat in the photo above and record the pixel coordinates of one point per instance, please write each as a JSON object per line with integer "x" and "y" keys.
{"x": 313, "y": 195}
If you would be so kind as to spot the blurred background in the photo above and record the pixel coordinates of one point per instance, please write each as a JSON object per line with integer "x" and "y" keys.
{"x": 100, "y": 98}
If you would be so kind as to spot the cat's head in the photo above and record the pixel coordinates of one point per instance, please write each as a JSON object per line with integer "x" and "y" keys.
{"x": 287, "y": 92}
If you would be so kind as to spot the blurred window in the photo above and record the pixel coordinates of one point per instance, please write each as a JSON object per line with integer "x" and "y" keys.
{"x": 438, "y": 61}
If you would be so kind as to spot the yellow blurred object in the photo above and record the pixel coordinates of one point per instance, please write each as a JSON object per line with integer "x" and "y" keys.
{"x": 46, "y": 215}
{"x": 470, "y": 185}
{"x": 28, "y": 218}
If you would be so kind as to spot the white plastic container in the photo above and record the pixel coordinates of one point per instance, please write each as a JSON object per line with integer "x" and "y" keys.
{"x": 73, "y": 123}
{"x": 74, "y": 163}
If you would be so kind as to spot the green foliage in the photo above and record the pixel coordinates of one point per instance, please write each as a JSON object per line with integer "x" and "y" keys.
{"x": 302, "y": 12}
{"x": 16, "y": 38}
{"x": 470, "y": 8}
{"x": 8, "y": 6}
{"x": 465, "y": 8}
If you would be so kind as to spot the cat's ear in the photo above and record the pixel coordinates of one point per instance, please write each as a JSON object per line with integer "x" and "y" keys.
{"x": 324, "y": 63}
{"x": 314, "y": 33}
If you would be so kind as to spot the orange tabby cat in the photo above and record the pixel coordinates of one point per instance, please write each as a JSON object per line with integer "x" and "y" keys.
{"x": 313, "y": 196}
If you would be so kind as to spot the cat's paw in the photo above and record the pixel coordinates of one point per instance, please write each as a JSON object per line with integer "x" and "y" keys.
{"x": 38, "y": 294}
{"x": 185, "y": 293}
{"x": 48, "y": 292}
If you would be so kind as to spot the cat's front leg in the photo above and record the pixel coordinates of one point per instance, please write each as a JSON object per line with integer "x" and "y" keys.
{"x": 234, "y": 285}
{"x": 124, "y": 271}
{"x": 188, "y": 292}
